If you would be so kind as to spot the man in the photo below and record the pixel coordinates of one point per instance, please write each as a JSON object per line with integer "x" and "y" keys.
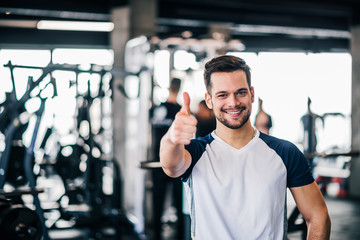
{"x": 263, "y": 121}
{"x": 236, "y": 177}
{"x": 161, "y": 118}
{"x": 206, "y": 120}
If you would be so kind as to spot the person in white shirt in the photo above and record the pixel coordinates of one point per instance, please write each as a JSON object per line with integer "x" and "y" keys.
{"x": 236, "y": 177}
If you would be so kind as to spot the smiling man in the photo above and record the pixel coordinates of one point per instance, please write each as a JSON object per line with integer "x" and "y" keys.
{"x": 236, "y": 177}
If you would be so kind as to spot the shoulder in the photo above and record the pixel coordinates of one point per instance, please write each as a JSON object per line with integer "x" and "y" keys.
{"x": 288, "y": 152}
{"x": 196, "y": 148}
{"x": 279, "y": 145}
{"x": 171, "y": 105}
{"x": 157, "y": 108}
{"x": 199, "y": 144}
{"x": 298, "y": 170}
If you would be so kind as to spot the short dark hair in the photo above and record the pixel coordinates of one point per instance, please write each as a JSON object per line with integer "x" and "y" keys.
{"x": 225, "y": 63}
{"x": 175, "y": 85}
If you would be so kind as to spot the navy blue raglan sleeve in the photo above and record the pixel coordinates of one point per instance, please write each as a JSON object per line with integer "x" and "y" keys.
{"x": 298, "y": 170}
{"x": 297, "y": 166}
{"x": 196, "y": 148}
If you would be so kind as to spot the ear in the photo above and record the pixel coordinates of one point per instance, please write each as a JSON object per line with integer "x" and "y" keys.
{"x": 208, "y": 101}
{"x": 252, "y": 91}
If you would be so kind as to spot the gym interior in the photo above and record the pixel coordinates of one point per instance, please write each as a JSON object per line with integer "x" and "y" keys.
{"x": 79, "y": 80}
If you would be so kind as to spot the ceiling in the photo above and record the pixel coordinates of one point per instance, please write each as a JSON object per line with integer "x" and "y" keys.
{"x": 261, "y": 25}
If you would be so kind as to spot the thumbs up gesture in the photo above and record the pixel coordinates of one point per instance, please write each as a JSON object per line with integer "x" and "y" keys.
{"x": 183, "y": 127}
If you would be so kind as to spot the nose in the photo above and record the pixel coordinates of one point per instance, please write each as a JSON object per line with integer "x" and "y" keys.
{"x": 232, "y": 100}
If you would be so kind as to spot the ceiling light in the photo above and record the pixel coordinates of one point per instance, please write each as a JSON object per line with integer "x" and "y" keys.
{"x": 76, "y": 26}
{"x": 297, "y": 31}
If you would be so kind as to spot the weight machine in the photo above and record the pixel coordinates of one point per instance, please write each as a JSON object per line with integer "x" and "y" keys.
{"x": 310, "y": 143}
{"x": 17, "y": 167}
{"x": 21, "y": 167}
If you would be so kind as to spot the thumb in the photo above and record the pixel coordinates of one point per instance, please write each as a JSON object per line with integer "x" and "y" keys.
{"x": 186, "y": 107}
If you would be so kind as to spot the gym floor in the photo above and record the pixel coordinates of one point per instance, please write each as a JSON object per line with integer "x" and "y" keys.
{"x": 345, "y": 219}
{"x": 344, "y": 213}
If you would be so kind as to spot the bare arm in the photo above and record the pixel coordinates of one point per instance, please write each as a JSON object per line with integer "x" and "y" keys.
{"x": 173, "y": 156}
{"x": 312, "y": 206}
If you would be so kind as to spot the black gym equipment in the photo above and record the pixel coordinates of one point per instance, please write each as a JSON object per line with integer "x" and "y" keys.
{"x": 101, "y": 209}
{"x": 83, "y": 186}
{"x": 13, "y": 173}
{"x": 18, "y": 222}
{"x": 16, "y": 166}
{"x": 310, "y": 142}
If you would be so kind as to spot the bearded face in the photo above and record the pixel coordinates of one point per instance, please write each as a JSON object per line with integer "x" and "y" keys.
{"x": 231, "y": 98}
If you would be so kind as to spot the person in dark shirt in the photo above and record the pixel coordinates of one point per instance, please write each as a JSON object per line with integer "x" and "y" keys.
{"x": 263, "y": 121}
{"x": 206, "y": 120}
{"x": 162, "y": 117}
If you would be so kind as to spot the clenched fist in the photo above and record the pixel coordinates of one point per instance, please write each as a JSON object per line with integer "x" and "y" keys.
{"x": 183, "y": 127}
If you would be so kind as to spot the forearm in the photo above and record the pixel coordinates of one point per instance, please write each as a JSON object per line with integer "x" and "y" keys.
{"x": 313, "y": 208}
{"x": 319, "y": 228}
{"x": 172, "y": 157}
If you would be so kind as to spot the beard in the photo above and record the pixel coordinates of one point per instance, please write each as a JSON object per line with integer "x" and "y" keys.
{"x": 238, "y": 123}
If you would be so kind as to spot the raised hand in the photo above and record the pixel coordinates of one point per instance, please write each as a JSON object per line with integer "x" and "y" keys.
{"x": 183, "y": 127}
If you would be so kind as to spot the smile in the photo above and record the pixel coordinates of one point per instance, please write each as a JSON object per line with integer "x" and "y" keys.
{"x": 234, "y": 112}
{"x": 237, "y": 112}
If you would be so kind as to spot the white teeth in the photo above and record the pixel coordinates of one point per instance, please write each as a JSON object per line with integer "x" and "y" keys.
{"x": 234, "y": 112}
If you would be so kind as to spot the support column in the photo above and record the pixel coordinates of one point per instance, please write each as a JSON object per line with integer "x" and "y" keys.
{"x": 354, "y": 181}
{"x": 143, "y": 17}
{"x": 119, "y": 37}
{"x": 130, "y": 116}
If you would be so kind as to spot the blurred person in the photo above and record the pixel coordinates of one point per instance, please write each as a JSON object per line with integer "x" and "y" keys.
{"x": 236, "y": 178}
{"x": 206, "y": 120}
{"x": 263, "y": 121}
{"x": 161, "y": 118}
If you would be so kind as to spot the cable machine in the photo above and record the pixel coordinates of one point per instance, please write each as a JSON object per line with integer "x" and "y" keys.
{"x": 82, "y": 170}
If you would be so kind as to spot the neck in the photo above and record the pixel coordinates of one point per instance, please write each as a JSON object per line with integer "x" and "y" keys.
{"x": 237, "y": 138}
{"x": 172, "y": 98}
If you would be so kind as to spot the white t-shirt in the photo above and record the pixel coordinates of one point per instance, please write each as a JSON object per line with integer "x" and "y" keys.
{"x": 241, "y": 193}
